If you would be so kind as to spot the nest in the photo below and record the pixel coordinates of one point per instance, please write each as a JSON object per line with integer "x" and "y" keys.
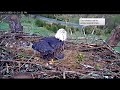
{"x": 17, "y": 60}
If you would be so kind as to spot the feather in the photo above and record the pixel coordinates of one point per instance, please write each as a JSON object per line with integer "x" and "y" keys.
{"x": 51, "y": 47}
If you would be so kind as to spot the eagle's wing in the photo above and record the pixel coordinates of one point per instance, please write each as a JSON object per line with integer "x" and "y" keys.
{"x": 59, "y": 51}
{"x": 52, "y": 41}
{"x": 50, "y": 45}
{"x": 43, "y": 47}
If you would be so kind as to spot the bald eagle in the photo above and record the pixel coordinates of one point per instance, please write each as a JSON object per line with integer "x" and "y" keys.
{"x": 51, "y": 47}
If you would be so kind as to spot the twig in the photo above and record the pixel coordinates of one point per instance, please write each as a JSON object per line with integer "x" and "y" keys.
{"x": 64, "y": 77}
{"x": 110, "y": 47}
{"x": 2, "y": 42}
{"x": 7, "y": 68}
{"x": 14, "y": 61}
{"x": 94, "y": 48}
{"x": 32, "y": 76}
{"x": 51, "y": 77}
{"x": 27, "y": 61}
{"x": 3, "y": 70}
{"x": 19, "y": 61}
{"x": 87, "y": 66}
{"x": 3, "y": 18}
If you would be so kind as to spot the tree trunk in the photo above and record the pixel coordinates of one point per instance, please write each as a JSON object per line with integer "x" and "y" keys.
{"x": 14, "y": 24}
{"x": 114, "y": 37}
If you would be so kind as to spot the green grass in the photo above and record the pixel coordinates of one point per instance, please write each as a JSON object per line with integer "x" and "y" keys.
{"x": 117, "y": 48}
{"x": 4, "y": 26}
{"x": 30, "y": 27}
{"x": 39, "y": 31}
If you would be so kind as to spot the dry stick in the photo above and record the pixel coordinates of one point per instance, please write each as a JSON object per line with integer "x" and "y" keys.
{"x": 91, "y": 48}
{"x": 113, "y": 51}
{"x": 2, "y": 42}
{"x": 52, "y": 77}
{"x": 110, "y": 48}
{"x": 47, "y": 71}
{"x": 72, "y": 72}
{"x": 32, "y": 76}
{"x": 24, "y": 62}
{"x": 27, "y": 61}
{"x": 19, "y": 65}
{"x": 18, "y": 61}
{"x": 7, "y": 68}
{"x": 31, "y": 36}
{"x": 40, "y": 64}
{"x": 64, "y": 77}
{"x": 53, "y": 71}
{"x": 3, "y": 70}
{"x": 4, "y": 18}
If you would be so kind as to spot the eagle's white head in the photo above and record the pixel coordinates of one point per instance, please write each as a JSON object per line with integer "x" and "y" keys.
{"x": 61, "y": 34}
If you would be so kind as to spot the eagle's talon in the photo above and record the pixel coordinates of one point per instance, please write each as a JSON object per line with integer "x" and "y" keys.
{"x": 52, "y": 61}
